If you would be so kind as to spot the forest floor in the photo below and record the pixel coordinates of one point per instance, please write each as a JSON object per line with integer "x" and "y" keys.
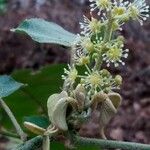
{"x": 132, "y": 123}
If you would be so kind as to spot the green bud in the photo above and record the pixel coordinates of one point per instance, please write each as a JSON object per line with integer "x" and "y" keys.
{"x": 118, "y": 80}
{"x": 105, "y": 72}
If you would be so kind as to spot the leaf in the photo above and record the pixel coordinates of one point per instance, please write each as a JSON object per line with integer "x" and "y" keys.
{"x": 8, "y": 85}
{"x": 40, "y": 121}
{"x": 3, "y": 6}
{"x": 32, "y": 99}
{"x": 46, "y": 32}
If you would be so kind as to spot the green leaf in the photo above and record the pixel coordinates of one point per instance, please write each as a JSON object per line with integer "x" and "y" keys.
{"x": 32, "y": 99}
{"x": 8, "y": 85}
{"x": 40, "y": 121}
{"x": 46, "y": 32}
{"x": 3, "y": 6}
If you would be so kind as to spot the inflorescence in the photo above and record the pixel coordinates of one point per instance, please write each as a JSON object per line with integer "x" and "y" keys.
{"x": 98, "y": 43}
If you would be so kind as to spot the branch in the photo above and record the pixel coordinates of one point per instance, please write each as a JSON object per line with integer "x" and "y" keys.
{"x": 14, "y": 121}
{"x": 9, "y": 134}
{"x": 110, "y": 144}
{"x": 33, "y": 144}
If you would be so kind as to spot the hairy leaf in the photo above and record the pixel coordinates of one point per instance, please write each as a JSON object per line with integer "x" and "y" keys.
{"x": 8, "y": 85}
{"x": 46, "y": 32}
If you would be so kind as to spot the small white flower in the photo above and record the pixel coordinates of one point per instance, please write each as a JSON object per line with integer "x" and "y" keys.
{"x": 90, "y": 27}
{"x": 71, "y": 74}
{"x": 83, "y": 47}
{"x": 139, "y": 10}
{"x": 93, "y": 81}
{"x": 114, "y": 55}
{"x": 98, "y": 81}
{"x": 121, "y": 3}
{"x": 100, "y": 5}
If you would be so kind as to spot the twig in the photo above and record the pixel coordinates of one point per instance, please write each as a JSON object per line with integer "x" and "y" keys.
{"x": 20, "y": 132}
{"x": 9, "y": 134}
{"x": 110, "y": 144}
{"x": 33, "y": 144}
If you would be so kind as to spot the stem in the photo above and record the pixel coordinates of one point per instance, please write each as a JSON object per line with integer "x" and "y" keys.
{"x": 19, "y": 130}
{"x": 72, "y": 56}
{"x": 33, "y": 144}
{"x": 9, "y": 134}
{"x": 108, "y": 32}
{"x": 46, "y": 143}
{"x": 107, "y": 38}
{"x": 111, "y": 144}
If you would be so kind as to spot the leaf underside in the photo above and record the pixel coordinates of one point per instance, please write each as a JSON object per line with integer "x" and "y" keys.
{"x": 8, "y": 85}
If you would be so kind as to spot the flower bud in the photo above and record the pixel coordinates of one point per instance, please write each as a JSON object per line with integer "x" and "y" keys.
{"x": 34, "y": 128}
{"x": 105, "y": 73}
{"x": 118, "y": 80}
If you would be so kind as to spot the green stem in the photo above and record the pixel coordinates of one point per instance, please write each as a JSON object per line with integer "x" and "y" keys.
{"x": 107, "y": 38}
{"x": 110, "y": 144}
{"x": 14, "y": 121}
{"x": 72, "y": 56}
{"x": 108, "y": 32}
{"x": 33, "y": 144}
{"x": 9, "y": 134}
{"x": 98, "y": 62}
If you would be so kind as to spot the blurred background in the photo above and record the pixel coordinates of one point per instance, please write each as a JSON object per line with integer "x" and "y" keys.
{"x": 132, "y": 123}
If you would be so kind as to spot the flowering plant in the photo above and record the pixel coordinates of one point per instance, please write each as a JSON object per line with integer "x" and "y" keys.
{"x": 95, "y": 49}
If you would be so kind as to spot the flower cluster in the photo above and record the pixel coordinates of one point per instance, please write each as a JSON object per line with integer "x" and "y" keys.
{"x": 99, "y": 44}
{"x": 96, "y": 81}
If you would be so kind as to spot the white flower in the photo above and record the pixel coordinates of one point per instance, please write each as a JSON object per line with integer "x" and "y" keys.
{"x": 98, "y": 81}
{"x": 100, "y": 5}
{"x": 114, "y": 55}
{"x": 71, "y": 74}
{"x": 90, "y": 27}
{"x": 121, "y": 3}
{"x": 139, "y": 10}
{"x": 93, "y": 81}
{"x": 83, "y": 47}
